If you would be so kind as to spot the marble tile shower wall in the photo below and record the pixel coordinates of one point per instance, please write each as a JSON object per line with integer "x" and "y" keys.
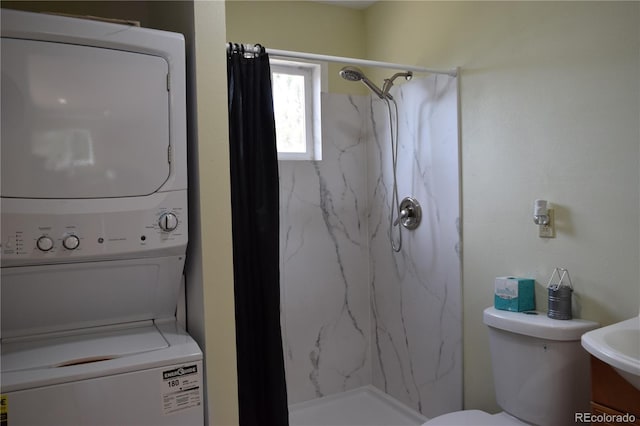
{"x": 324, "y": 255}
{"x": 353, "y": 311}
{"x": 416, "y": 324}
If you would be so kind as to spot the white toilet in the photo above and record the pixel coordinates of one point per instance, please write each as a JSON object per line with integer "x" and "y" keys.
{"x": 540, "y": 371}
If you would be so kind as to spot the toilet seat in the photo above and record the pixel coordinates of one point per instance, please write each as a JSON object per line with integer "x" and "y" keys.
{"x": 475, "y": 418}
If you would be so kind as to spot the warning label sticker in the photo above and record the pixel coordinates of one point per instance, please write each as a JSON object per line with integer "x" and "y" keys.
{"x": 181, "y": 389}
{"x": 4, "y": 409}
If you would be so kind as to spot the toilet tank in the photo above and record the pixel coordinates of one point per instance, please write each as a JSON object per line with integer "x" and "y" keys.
{"x": 540, "y": 371}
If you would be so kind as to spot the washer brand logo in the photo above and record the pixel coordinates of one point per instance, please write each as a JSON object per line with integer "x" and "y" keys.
{"x": 178, "y": 372}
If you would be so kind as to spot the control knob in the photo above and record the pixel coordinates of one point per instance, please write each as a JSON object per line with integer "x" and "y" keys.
{"x": 44, "y": 243}
{"x": 168, "y": 222}
{"x": 71, "y": 242}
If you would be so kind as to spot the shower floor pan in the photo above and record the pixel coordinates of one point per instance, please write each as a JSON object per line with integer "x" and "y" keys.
{"x": 364, "y": 406}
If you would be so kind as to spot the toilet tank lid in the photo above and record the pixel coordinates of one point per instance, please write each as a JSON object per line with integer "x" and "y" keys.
{"x": 537, "y": 324}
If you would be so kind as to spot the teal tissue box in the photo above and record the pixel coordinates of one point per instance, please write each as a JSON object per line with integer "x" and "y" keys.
{"x": 514, "y": 294}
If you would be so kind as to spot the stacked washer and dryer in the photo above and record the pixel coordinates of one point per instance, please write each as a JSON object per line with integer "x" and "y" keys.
{"x": 94, "y": 225}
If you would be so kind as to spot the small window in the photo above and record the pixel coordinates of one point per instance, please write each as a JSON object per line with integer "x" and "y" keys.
{"x": 296, "y": 105}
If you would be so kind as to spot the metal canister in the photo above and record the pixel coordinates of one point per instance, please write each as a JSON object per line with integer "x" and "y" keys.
{"x": 560, "y": 303}
{"x": 560, "y": 295}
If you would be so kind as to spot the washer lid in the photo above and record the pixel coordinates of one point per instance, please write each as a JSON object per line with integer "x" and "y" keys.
{"x": 32, "y": 362}
{"x": 81, "y": 347}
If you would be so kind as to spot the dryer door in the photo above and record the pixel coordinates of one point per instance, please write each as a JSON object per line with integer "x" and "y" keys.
{"x": 82, "y": 122}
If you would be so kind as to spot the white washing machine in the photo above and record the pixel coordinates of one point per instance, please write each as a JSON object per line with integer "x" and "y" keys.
{"x": 94, "y": 225}
{"x": 137, "y": 374}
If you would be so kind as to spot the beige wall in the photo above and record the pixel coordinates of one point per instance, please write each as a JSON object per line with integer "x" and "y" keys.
{"x": 214, "y": 194}
{"x": 301, "y": 26}
{"x": 550, "y": 109}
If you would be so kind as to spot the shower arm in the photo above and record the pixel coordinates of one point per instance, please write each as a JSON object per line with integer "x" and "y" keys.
{"x": 388, "y": 82}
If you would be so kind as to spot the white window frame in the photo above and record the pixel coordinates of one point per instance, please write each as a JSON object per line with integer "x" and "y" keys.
{"x": 314, "y": 84}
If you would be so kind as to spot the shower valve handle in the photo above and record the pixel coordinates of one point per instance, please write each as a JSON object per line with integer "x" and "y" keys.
{"x": 404, "y": 213}
{"x": 410, "y": 213}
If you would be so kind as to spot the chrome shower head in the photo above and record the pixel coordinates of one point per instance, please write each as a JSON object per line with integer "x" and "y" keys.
{"x": 356, "y": 74}
{"x": 351, "y": 73}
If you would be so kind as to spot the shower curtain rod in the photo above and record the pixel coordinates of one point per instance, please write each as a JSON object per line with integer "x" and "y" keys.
{"x": 252, "y": 48}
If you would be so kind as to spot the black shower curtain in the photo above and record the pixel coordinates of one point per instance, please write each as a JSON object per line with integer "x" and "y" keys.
{"x": 262, "y": 392}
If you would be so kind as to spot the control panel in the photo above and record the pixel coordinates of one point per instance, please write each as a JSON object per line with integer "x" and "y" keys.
{"x": 78, "y": 230}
